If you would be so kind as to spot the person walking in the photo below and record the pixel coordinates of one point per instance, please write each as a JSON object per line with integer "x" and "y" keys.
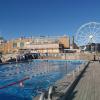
{"x": 99, "y": 59}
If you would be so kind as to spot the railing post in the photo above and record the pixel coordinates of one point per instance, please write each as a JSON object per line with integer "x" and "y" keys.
{"x": 73, "y": 74}
{"x": 78, "y": 69}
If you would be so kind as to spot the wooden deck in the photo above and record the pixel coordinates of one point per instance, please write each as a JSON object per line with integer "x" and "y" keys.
{"x": 88, "y": 88}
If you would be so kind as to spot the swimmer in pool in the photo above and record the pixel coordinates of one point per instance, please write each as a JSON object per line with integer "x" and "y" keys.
{"x": 21, "y": 84}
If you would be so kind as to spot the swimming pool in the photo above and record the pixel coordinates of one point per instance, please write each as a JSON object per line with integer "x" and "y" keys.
{"x": 36, "y": 76}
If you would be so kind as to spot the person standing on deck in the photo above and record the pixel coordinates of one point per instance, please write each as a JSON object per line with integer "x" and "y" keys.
{"x": 94, "y": 58}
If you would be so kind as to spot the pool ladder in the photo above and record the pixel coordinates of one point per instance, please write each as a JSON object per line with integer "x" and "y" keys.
{"x": 51, "y": 91}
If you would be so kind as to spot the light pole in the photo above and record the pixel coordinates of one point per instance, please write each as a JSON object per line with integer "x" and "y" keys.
{"x": 65, "y": 53}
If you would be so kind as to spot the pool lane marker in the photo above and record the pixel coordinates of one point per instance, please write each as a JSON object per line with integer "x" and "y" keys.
{"x": 14, "y": 83}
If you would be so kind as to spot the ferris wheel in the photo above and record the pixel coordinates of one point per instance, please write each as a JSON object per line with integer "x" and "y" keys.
{"x": 88, "y": 33}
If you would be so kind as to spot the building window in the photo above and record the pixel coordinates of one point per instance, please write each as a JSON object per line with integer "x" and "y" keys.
{"x": 14, "y": 45}
{"x": 21, "y": 44}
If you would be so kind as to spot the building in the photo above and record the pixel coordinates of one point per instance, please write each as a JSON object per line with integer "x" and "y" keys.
{"x": 2, "y": 42}
{"x": 42, "y": 44}
{"x": 93, "y": 47}
{"x": 13, "y": 46}
{"x": 73, "y": 45}
{"x": 49, "y": 44}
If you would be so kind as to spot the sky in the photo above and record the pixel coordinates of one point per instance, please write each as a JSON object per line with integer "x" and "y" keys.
{"x": 46, "y": 17}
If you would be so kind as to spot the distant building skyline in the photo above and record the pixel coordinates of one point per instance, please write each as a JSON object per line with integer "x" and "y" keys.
{"x": 45, "y": 17}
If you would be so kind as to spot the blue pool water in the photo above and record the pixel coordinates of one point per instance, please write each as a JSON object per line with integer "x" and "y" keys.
{"x": 40, "y": 75}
